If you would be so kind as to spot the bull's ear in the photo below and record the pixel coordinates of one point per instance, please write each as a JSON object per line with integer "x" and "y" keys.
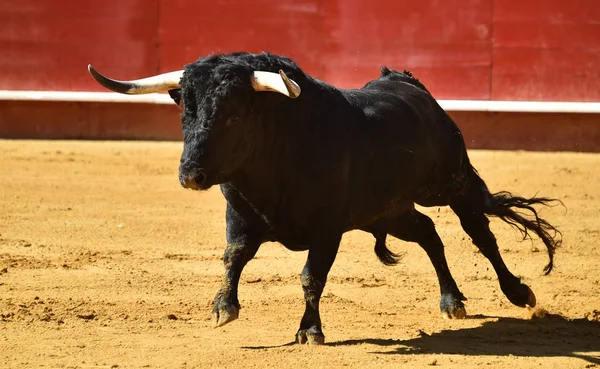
{"x": 176, "y": 96}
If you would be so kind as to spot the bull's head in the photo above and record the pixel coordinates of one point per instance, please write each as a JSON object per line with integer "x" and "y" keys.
{"x": 218, "y": 114}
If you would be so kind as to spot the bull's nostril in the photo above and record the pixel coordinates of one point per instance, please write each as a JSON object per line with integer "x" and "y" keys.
{"x": 200, "y": 178}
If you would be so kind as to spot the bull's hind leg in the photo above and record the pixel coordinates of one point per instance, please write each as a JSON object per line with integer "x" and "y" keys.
{"x": 469, "y": 207}
{"x": 476, "y": 225}
{"x": 417, "y": 227}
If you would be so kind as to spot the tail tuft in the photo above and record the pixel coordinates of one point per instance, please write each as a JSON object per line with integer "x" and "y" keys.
{"x": 501, "y": 205}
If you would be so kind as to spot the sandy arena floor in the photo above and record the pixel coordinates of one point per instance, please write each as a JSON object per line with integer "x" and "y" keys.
{"x": 106, "y": 262}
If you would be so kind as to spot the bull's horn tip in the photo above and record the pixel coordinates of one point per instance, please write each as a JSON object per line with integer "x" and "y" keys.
{"x": 292, "y": 86}
{"x": 92, "y": 70}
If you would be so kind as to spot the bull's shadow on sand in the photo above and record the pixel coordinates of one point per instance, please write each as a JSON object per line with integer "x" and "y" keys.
{"x": 552, "y": 336}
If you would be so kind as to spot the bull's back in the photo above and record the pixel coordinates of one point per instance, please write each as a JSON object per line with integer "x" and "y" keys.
{"x": 404, "y": 143}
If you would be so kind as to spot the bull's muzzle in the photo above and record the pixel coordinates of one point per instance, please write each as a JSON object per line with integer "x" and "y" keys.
{"x": 191, "y": 176}
{"x": 195, "y": 181}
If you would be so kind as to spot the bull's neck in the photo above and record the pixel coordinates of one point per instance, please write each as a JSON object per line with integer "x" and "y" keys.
{"x": 300, "y": 143}
{"x": 294, "y": 138}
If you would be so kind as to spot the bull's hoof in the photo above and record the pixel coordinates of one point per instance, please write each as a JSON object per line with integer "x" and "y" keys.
{"x": 531, "y": 300}
{"x": 312, "y": 336}
{"x": 226, "y": 315}
{"x": 224, "y": 312}
{"x": 453, "y": 307}
{"x": 521, "y": 296}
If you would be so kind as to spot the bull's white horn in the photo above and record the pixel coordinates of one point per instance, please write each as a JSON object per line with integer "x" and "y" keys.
{"x": 269, "y": 81}
{"x": 158, "y": 83}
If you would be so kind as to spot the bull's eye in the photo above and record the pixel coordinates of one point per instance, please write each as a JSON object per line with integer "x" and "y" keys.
{"x": 232, "y": 121}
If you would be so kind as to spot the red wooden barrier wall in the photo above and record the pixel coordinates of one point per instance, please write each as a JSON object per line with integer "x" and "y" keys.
{"x": 461, "y": 49}
{"x": 546, "y": 50}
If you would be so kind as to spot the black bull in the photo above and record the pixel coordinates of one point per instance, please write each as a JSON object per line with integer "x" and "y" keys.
{"x": 304, "y": 168}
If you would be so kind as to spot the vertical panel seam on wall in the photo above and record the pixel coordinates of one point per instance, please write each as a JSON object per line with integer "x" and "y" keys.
{"x": 156, "y": 37}
{"x": 322, "y": 67}
{"x": 492, "y": 45}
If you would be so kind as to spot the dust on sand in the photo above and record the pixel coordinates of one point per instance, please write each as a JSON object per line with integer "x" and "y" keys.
{"x": 105, "y": 261}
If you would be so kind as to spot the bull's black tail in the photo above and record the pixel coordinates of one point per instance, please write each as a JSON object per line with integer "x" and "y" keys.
{"x": 506, "y": 206}
{"x": 385, "y": 255}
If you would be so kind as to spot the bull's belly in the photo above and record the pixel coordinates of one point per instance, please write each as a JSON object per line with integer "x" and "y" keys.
{"x": 296, "y": 246}
{"x": 369, "y": 221}
{"x": 291, "y": 240}
{"x": 374, "y": 212}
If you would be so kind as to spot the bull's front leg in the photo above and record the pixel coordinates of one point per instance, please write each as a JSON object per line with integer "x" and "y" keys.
{"x": 226, "y": 305}
{"x": 242, "y": 245}
{"x": 314, "y": 276}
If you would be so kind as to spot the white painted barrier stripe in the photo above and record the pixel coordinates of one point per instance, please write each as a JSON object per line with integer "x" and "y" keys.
{"x": 449, "y": 105}
{"x": 84, "y": 96}
{"x": 521, "y": 106}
